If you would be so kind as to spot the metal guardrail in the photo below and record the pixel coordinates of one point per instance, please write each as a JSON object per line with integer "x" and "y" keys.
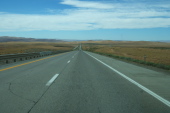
{"x": 10, "y": 58}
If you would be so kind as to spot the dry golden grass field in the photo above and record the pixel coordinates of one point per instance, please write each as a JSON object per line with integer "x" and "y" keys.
{"x": 28, "y": 47}
{"x": 156, "y": 52}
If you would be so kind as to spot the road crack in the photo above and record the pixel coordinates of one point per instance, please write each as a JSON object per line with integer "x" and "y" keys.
{"x": 34, "y": 102}
{"x": 10, "y": 90}
{"x": 38, "y": 100}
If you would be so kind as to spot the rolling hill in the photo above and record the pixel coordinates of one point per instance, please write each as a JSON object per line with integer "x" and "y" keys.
{"x": 22, "y": 39}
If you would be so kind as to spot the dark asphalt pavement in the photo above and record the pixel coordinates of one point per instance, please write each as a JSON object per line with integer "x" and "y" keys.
{"x": 83, "y": 85}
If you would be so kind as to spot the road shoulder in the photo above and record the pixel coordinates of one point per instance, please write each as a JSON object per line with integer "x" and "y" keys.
{"x": 156, "y": 81}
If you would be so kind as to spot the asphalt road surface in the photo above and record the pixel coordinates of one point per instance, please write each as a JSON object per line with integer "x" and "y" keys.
{"x": 82, "y": 82}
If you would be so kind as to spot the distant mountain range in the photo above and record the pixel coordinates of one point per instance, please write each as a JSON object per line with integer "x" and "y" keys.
{"x": 22, "y": 39}
{"x": 168, "y": 41}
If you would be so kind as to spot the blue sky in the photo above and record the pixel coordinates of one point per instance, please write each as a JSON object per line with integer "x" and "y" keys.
{"x": 86, "y": 19}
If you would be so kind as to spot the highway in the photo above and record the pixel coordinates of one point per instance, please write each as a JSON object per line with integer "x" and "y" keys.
{"x": 82, "y": 82}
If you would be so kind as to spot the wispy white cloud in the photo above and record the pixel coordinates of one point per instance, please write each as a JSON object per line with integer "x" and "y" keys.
{"x": 87, "y": 4}
{"x": 88, "y": 15}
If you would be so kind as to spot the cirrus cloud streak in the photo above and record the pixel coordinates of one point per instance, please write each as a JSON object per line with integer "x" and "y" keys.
{"x": 89, "y": 16}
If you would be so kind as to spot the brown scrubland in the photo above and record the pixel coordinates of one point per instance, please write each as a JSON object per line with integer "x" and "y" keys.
{"x": 28, "y": 47}
{"x": 155, "y": 52}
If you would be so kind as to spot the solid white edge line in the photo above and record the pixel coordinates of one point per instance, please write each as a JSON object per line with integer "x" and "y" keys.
{"x": 166, "y": 102}
{"x": 52, "y": 80}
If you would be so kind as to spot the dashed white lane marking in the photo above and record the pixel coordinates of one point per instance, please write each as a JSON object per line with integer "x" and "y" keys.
{"x": 52, "y": 80}
{"x": 74, "y": 55}
{"x": 68, "y": 61}
{"x": 166, "y": 102}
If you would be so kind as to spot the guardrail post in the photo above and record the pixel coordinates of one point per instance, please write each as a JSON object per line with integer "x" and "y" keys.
{"x": 144, "y": 58}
